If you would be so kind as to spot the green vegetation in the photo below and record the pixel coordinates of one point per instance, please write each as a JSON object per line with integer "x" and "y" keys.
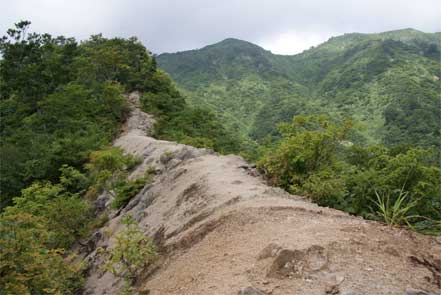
{"x": 55, "y": 108}
{"x": 389, "y": 82}
{"x": 27, "y": 266}
{"x": 126, "y": 191}
{"x": 34, "y": 232}
{"x": 60, "y": 100}
{"x": 399, "y": 185}
{"x": 385, "y": 166}
{"x": 109, "y": 168}
{"x": 64, "y": 214}
{"x": 61, "y": 103}
{"x": 179, "y": 122}
{"x": 132, "y": 253}
{"x": 396, "y": 213}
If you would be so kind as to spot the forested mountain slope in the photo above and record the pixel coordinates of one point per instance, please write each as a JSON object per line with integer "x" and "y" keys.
{"x": 388, "y": 81}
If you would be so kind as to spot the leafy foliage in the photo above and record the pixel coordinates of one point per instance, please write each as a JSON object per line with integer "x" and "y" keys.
{"x": 109, "y": 169}
{"x": 397, "y": 185}
{"x": 72, "y": 180}
{"x": 56, "y": 103}
{"x": 126, "y": 190}
{"x": 197, "y": 127}
{"x": 132, "y": 253}
{"x": 27, "y": 266}
{"x": 309, "y": 146}
{"x": 66, "y": 216}
{"x": 177, "y": 121}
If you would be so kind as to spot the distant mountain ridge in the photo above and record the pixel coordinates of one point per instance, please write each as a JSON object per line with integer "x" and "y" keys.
{"x": 389, "y": 81}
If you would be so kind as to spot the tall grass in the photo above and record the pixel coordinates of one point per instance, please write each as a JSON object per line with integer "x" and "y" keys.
{"x": 395, "y": 211}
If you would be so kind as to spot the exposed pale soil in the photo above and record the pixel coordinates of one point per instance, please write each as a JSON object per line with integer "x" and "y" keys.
{"x": 221, "y": 229}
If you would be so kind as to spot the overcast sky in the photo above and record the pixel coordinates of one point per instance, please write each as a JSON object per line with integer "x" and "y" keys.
{"x": 282, "y": 26}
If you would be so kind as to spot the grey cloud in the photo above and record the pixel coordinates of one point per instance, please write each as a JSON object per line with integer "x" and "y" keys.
{"x": 172, "y": 25}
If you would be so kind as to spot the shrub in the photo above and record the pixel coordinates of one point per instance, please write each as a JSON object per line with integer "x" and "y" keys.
{"x": 109, "y": 168}
{"x": 73, "y": 180}
{"x": 126, "y": 191}
{"x": 132, "y": 253}
{"x": 309, "y": 145}
{"x": 65, "y": 215}
{"x": 27, "y": 265}
{"x": 325, "y": 187}
{"x": 132, "y": 161}
{"x": 403, "y": 183}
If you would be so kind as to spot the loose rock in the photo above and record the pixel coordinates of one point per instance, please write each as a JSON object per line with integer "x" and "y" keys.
{"x": 250, "y": 291}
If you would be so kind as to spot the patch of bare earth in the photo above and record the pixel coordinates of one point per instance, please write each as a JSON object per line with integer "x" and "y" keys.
{"x": 221, "y": 230}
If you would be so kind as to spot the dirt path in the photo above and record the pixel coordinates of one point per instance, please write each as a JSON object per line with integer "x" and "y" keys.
{"x": 222, "y": 230}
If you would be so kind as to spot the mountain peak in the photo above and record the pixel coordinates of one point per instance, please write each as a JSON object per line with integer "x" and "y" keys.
{"x": 402, "y": 32}
{"x": 235, "y": 43}
{"x": 232, "y": 40}
{"x": 405, "y": 30}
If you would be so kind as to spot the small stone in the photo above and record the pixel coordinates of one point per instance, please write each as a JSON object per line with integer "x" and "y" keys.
{"x": 250, "y": 291}
{"x": 270, "y": 250}
{"x": 339, "y": 279}
{"x": 333, "y": 279}
{"x": 265, "y": 282}
{"x": 392, "y": 251}
{"x": 332, "y": 289}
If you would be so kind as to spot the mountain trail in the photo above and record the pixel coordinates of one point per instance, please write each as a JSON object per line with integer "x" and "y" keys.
{"x": 221, "y": 229}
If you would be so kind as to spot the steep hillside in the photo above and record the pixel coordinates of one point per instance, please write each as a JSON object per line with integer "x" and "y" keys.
{"x": 388, "y": 81}
{"x": 233, "y": 77}
{"x": 221, "y": 230}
